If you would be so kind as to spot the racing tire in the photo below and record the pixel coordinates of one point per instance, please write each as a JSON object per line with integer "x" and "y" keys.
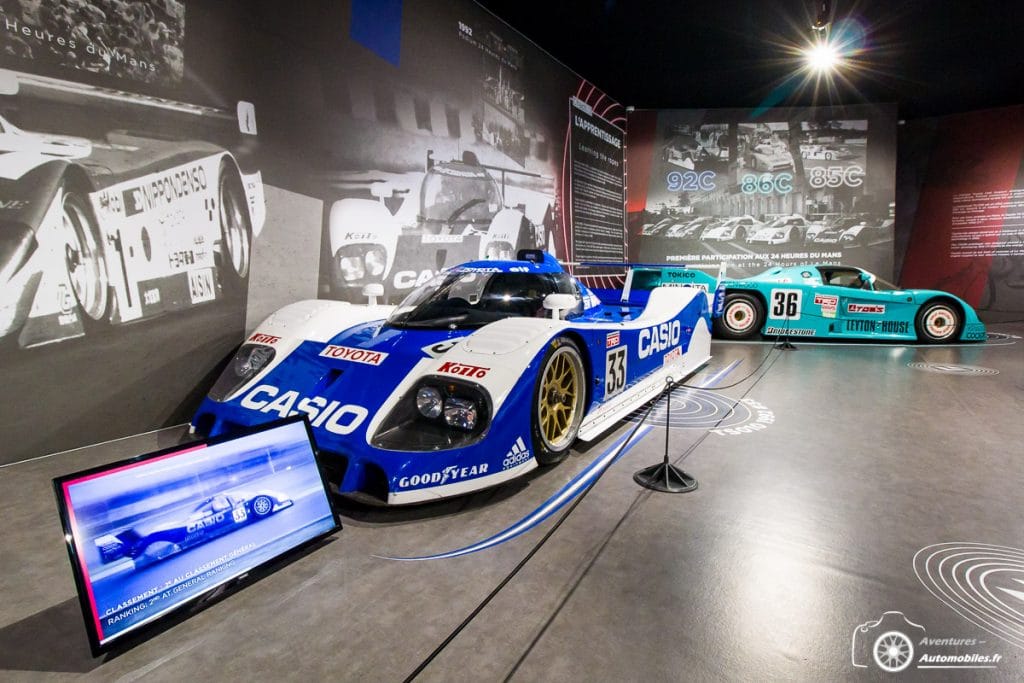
{"x": 262, "y": 506}
{"x": 85, "y": 263}
{"x": 742, "y": 317}
{"x": 235, "y": 229}
{"x": 558, "y": 401}
{"x": 938, "y": 322}
{"x": 828, "y": 156}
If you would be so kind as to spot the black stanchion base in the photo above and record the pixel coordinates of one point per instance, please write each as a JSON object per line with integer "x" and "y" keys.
{"x": 665, "y": 477}
{"x": 786, "y": 345}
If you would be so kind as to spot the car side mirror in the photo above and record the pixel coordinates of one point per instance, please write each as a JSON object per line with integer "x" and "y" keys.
{"x": 372, "y": 292}
{"x": 556, "y": 303}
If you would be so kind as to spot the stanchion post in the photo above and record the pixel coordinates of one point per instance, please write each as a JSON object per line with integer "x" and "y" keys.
{"x": 665, "y": 476}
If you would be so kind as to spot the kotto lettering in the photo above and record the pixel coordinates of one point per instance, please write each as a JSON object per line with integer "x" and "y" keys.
{"x": 658, "y": 338}
{"x": 463, "y": 370}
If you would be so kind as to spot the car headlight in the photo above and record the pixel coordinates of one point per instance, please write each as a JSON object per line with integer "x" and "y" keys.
{"x": 376, "y": 259}
{"x": 351, "y": 268}
{"x": 249, "y": 360}
{"x": 439, "y": 413}
{"x": 429, "y": 402}
{"x": 460, "y": 413}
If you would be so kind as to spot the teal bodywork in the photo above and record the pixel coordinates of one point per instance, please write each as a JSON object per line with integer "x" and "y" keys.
{"x": 844, "y": 302}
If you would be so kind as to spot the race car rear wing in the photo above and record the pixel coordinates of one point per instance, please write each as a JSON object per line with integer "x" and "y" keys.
{"x": 642, "y": 278}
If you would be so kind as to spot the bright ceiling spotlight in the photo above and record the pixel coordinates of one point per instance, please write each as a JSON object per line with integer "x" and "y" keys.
{"x": 822, "y": 57}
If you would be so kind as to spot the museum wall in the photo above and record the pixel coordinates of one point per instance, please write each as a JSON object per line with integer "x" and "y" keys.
{"x": 756, "y": 188}
{"x": 960, "y": 208}
{"x": 172, "y": 172}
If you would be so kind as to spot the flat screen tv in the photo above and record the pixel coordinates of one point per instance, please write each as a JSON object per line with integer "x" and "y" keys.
{"x": 154, "y": 533}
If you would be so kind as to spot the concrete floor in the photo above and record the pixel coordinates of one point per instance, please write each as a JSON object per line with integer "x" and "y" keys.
{"x": 804, "y": 527}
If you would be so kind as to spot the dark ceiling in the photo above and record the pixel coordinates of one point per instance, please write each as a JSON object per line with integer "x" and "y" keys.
{"x": 932, "y": 57}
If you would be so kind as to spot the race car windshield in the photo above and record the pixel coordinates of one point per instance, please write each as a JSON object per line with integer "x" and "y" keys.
{"x": 450, "y": 195}
{"x": 464, "y": 299}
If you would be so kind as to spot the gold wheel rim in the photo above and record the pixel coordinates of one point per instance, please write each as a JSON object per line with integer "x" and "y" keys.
{"x": 558, "y": 402}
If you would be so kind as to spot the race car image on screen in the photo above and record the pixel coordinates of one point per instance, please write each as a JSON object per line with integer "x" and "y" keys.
{"x": 480, "y": 375}
{"x": 841, "y": 302}
{"x": 99, "y": 232}
{"x": 216, "y": 516}
{"x": 457, "y": 214}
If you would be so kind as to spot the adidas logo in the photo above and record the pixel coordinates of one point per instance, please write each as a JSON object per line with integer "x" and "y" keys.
{"x": 516, "y": 455}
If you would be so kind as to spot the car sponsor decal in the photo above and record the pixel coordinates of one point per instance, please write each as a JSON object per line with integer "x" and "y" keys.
{"x": 164, "y": 189}
{"x": 440, "y": 348}
{"x": 441, "y": 239}
{"x": 260, "y": 338}
{"x": 567, "y": 493}
{"x": 463, "y": 370}
{"x": 615, "y": 371}
{"x": 200, "y": 285}
{"x": 516, "y": 455}
{"x": 874, "y": 309}
{"x": 612, "y": 340}
{"x": 673, "y": 355}
{"x": 364, "y": 356}
{"x": 878, "y": 326}
{"x": 789, "y": 332}
{"x": 658, "y": 338}
{"x": 785, "y": 304}
{"x": 828, "y": 304}
{"x": 451, "y": 473}
{"x": 331, "y": 415}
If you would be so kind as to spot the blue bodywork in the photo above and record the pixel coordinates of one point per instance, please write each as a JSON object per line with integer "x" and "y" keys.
{"x": 347, "y": 398}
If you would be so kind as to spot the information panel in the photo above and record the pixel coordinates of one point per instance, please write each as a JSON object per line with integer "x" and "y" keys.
{"x": 598, "y": 187}
{"x": 148, "y": 535}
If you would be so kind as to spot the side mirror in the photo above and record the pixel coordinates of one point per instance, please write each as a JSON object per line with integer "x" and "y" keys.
{"x": 556, "y": 303}
{"x": 865, "y": 281}
{"x": 371, "y": 292}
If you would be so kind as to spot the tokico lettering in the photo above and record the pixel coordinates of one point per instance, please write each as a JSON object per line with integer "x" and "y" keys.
{"x": 331, "y": 415}
{"x": 355, "y": 355}
{"x": 659, "y": 338}
{"x": 462, "y": 370}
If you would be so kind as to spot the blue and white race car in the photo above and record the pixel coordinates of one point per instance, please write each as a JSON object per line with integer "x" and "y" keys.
{"x": 101, "y": 232}
{"x": 841, "y": 302}
{"x": 487, "y": 371}
{"x": 214, "y": 517}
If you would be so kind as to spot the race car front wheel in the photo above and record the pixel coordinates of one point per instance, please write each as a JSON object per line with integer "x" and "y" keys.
{"x": 742, "y": 318}
{"x": 938, "y": 322}
{"x": 558, "y": 399}
{"x": 83, "y": 259}
{"x": 235, "y": 226}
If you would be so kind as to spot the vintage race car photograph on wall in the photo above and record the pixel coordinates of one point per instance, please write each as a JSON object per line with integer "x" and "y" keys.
{"x": 842, "y": 302}
{"x": 100, "y": 232}
{"x": 417, "y": 224}
{"x": 480, "y": 375}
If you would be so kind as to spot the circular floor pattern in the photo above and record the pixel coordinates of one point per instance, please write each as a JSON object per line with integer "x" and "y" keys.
{"x": 980, "y": 582}
{"x": 697, "y": 409}
{"x": 952, "y": 369}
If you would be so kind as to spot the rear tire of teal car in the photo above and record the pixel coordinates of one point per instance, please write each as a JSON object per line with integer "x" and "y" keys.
{"x": 84, "y": 262}
{"x": 235, "y": 230}
{"x": 558, "y": 401}
{"x": 742, "y": 317}
{"x": 938, "y": 322}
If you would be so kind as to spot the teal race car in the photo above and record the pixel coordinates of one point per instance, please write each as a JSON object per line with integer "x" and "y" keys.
{"x": 841, "y": 302}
